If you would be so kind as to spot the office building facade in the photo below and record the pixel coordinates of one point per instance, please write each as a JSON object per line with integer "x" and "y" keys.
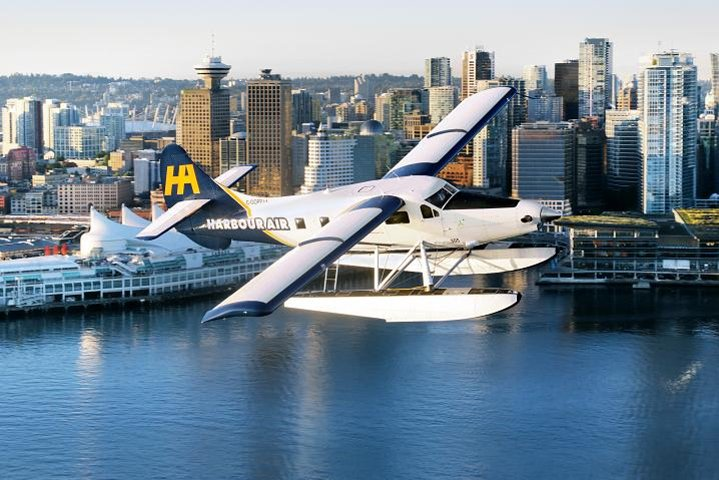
{"x": 543, "y": 164}
{"x": 22, "y": 124}
{"x": 330, "y": 161}
{"x": 77, "y": 198}
{"x": 80, "y": 141}
{"x": 623, "y": 159}
{"x": 442, "y": 100}
{"x": 477, "y": 65}
{"x": 535, "y": 78}
{"x": 269, "y": 134}
{"x": 595, "y": 77}
{"x": 566, "y": 85}
{"x": 437, "y": 72}
{"x": 57, "y": 114}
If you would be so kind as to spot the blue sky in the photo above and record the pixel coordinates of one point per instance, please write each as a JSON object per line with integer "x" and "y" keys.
{"x": 165, "y": 38}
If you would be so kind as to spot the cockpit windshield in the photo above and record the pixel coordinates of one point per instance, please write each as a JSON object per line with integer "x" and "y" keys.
{"x": 468, "y": 200}
{"x": 442, "y": 196}
{"x": 452, "y": 198}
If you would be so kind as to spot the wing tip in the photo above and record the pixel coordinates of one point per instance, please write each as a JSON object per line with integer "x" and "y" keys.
{"x": 238, "y": 309}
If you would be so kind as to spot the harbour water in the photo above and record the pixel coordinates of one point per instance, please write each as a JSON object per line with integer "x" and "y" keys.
{"x": 586, "y": 382}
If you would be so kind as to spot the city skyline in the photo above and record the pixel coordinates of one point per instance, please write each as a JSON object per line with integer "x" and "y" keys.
{"x": 370, "y": 40}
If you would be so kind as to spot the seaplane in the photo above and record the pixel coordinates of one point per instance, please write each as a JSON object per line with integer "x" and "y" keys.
{"x": 407, "y": 221}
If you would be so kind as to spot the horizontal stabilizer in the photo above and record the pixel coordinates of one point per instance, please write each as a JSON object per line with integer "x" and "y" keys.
{"x": 233, "y": 175}
{"x": 176, "y": 214}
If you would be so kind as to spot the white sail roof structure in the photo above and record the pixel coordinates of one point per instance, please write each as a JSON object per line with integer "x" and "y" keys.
{"x": 130, "y": 218}
{"x": 107, "y": 237}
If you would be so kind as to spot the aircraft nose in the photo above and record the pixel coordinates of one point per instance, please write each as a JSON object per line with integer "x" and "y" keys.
{"x": 547, "y": 215}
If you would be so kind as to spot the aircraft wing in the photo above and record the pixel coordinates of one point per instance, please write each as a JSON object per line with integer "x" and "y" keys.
{"x": 267, "y": 291}
{"x": 451, "y": 135}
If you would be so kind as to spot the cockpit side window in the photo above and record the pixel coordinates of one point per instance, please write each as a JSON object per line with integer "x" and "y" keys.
{"x": 426, "y": 211}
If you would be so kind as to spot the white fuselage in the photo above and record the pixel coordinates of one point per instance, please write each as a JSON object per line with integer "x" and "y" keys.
{"x": 439, "y": 221}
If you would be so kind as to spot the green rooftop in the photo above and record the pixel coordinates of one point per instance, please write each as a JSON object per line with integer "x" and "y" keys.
{"x": 618, "y": 221}
{"x": 706, "y": 217}
{"x": 703, "y": 224}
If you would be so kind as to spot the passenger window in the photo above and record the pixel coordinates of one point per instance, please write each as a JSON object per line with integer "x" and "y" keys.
{"x": 426, "y": 211}
{"x": 398, "y": 218}
{"x": 300, "y": 223}
{"x": 324, "y": 221}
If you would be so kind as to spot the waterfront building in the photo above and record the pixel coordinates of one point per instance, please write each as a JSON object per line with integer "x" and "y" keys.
{"x": 639, "y": 251}
{"x": 171, "y": 266}
{"x": 20, "y": 164}
{"x": 437, "y": 72}
{"x": 708, "y": 156}
{"x": 543, "y": 164}
{"x": 269, "y": 135}
{"x": 589, "y": 165}
{"x": 204, "y": 115}
{"x": 57, "y": 114}
{"x": 595, "y": 77}
{"x": 147, "y": 175}
{"x": 115, "y": 129}
{"x": 330, "y": 161}
{"x": 566, "y": 85}
{"x": 668, "y": 113}
{"x": 80, "y": 141}
{"x": 623, "y": 159}
{"x": 442, "y": 100}
{"x": 535, "y": 78}
{"x": 22, "y": 124}
{"x": 78, "y": 198}
{"x": 477, "y": 65}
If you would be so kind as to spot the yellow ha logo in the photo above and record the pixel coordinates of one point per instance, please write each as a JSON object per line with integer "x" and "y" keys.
{"x": 185, "y": 176}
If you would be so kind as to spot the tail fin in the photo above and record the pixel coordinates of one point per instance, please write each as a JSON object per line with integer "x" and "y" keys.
{"x": 191, "y": 196}
{"x": 182, "y": 179}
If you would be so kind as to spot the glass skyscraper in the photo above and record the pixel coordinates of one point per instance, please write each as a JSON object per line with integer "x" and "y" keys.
{"x": 668, "y": 126}
{"x": 543, "y": 164}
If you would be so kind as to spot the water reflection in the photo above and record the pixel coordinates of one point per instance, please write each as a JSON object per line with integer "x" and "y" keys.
{"x": 624, "y": 380}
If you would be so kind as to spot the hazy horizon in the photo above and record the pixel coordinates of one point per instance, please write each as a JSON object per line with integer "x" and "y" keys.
{"x": 165, "y": 39}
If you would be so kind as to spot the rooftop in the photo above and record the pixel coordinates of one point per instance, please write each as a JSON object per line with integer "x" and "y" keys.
{"x": 703, "y": 224}
{"x": 617, "y": 221}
